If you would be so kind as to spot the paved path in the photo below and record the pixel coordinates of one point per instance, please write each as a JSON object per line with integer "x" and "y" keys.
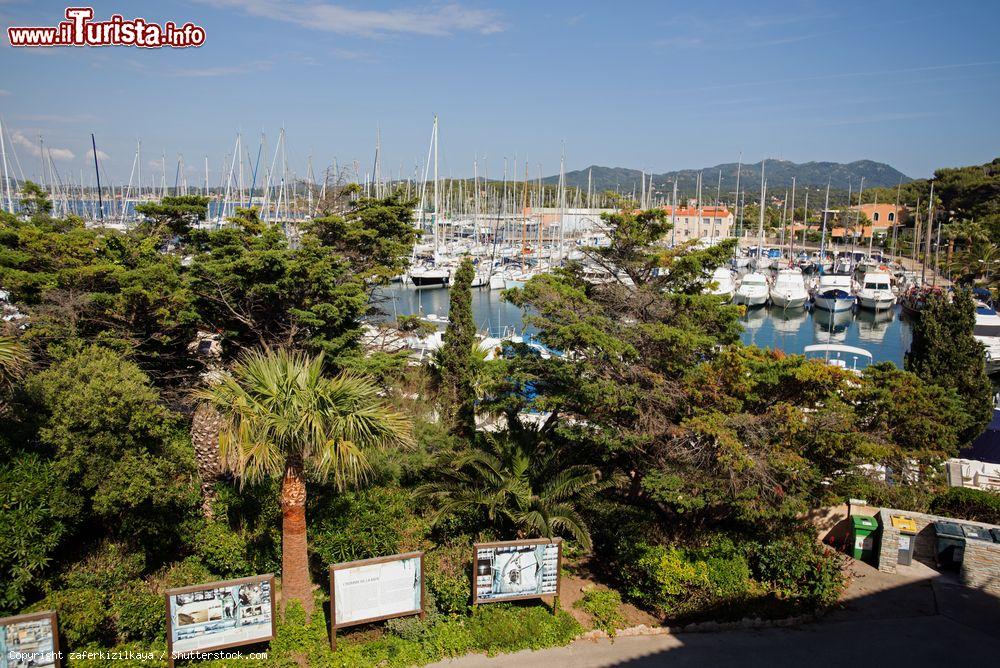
{"x": 917, "y": 617}
{"x": 922, "y": 641}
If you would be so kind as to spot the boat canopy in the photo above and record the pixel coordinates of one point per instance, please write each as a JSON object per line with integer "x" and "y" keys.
{"x": 837, "y": 348}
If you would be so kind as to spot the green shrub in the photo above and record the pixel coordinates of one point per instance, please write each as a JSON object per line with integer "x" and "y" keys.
{"x": 222, "y": 550}
{"x": 968, "y": 504}
{"x": 799, "y": 569}
{"x": 604, "y": 608}
{"x": 364, "y": 524}
{"x": 84, "y": 618}
{"x": 662, "y": 578}
{"x": 138, "y": 613}
{"x": 187, "y": 572}
{"x": 499, "y": 628}
{"x": 447, "y": 572}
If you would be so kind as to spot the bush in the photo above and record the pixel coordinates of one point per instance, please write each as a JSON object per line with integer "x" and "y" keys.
{"x": 800, "y": 570}
{"x": 499, "y": 628}
{"x": 222, "y": 550}
{"x": 968, "y": 504}
{"x": 137, "y": 613}
{"x": 84, "y": 618}
{"x": 604, "y": 608}
{"x": 446, "y": 576}
{"x": 363, "y": 524}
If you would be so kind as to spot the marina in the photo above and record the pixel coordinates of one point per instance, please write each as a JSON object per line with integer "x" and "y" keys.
{"x": 886, "y": 334}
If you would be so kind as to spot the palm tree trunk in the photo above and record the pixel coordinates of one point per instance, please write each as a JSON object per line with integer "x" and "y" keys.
{"x": 205, "y": 438}
{"x": 295, "y": 583}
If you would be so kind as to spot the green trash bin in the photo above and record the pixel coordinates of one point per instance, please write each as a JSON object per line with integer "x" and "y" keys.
{"x": 864, "y": 528}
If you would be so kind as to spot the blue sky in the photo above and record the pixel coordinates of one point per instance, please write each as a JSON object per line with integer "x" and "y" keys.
{"x": 651, "y": 85}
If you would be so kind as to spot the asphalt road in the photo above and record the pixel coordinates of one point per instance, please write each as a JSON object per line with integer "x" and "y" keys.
{"x": 934, "y": 640}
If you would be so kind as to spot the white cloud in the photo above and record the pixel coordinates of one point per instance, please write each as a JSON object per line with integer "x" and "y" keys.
{"x": 223, "y": 70}
{"x": 34, "y": 148}
{"x": 4, "y": 92}
{"x": 318, "y": 15}
{"x": 101, "y": 155}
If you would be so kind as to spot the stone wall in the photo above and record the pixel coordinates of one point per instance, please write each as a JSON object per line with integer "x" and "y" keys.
{"x": 980, "y": 565}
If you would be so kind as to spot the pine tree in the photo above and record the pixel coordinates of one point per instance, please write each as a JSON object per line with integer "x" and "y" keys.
{"x": 944, "y": 352}
{"x": 457, "y": 360}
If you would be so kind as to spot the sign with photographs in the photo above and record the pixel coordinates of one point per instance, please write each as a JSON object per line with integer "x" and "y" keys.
{"x": 375, "y": 589}
{"x": 220, "y": 615}
{"x": 516, "y": 570}
{"x": 29, "y": 640}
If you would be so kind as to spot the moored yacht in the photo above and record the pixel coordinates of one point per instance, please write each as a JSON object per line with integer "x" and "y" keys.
{"x": 833, "y": 293}
{"x": 789, "y": 290}
{"x": 722, "y": 280}
{"x": 752, "y": 291}
{"x": 876, "y": 291}
{"x": 429, "y": 276}
{"x": 987, "y": 332}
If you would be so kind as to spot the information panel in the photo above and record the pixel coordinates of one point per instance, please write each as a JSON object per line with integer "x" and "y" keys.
{"x": 220, "y": 615}
{"x": 29, "y": 640}
{"x": 375, "y": 589}
{"x": 516, "y": 570}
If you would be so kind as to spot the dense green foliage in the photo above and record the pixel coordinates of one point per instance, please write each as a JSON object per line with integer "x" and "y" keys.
{"x": 649, "y": 437}
{"x": 604, "y": 608}
{"x": 968, "y": 504}
{"x": 457, "y": 359}
{"x": 945, "y": 353}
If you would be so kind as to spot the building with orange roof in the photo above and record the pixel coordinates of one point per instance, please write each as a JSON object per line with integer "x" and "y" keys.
{"x": 691, "y": 222}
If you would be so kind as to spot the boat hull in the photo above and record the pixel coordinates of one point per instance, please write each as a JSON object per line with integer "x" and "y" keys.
{"x": 429, "y": 281}
{"x": 834, "y": 304}
{"x": 876, "y": 302}
{"x": 787, "y": 301}
{"x": 749, "y": 300}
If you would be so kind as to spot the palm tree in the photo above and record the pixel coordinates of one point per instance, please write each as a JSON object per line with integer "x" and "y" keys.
{"x": 282, "y": 417}
{"x": 517, "y": 480}
{"x": 13, "y": 360}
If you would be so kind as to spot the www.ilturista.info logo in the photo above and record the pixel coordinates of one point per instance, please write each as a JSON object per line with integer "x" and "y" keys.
{"x": 79, "y": 30}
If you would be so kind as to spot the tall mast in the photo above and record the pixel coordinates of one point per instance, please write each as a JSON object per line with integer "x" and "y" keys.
{"x": 97, "y": 172}
{"x": 763, "y": 203}
{"x": 895, "y": 221}
{"x": 437, "y": 201}
{"x": 673, "y": 216}
{"x": 736, "y": 198}
{"x": 871, "y": 237}
{"x": 6, "y": 180}
{"x": 822, "y": 239}
{"x": 793, "y": 214}
{"x": 927, "y": 236}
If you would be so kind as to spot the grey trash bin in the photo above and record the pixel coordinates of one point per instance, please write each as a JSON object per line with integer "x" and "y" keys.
{"x": 950, "y": 544}
{"x": 976, "y": 533}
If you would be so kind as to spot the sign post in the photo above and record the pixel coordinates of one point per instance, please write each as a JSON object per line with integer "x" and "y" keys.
{"x": 373, "y": 590}
{"x": 30, "y": 640}
{"x": 219, "y": 615}
{"x": 517, "y": 570}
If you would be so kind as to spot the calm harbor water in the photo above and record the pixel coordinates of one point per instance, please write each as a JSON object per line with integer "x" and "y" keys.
{"x": 886, "y": 335}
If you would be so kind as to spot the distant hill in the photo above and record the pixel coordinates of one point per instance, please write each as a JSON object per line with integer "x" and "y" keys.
{"x": 778, "y": 173}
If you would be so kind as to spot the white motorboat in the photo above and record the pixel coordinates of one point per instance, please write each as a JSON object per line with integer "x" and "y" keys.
{"x": 833, "y": 293}
{"x": 987, "y": 332}
{"x": 752, "y": 291}
{"x": 789, "y": 289}
{"x": 841, "y": 356}
{"x": 876, "y": 291}
{"x": 722, "y": 283}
